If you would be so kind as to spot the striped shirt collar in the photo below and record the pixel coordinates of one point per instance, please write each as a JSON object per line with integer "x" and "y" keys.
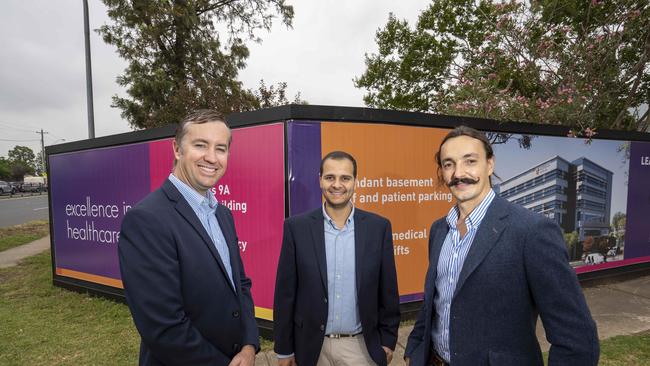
{"x": 329, "y": 220}
{"x": 194, "y": 198}
{"x": 475, "y": 217}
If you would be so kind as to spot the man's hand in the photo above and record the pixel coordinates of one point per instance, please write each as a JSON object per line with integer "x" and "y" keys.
{"x": 389, "y": 354}
{"x": 289, "y": 361}
{"x": 245, "y": 357}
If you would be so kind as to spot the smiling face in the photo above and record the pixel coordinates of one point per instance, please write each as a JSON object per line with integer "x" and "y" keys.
{"x": 466, "y": 170}
{"x": 202, "y": 155}
{"x": 337, "y": 182}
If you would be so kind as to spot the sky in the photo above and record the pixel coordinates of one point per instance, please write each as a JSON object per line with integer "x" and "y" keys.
{"x": 43, "y": 72}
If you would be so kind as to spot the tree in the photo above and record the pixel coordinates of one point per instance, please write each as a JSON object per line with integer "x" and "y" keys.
{"x": 618, "y": 227}
{"x": 21, "y": 162}
{"x": 577, "y": 63}
{"x": 185, "y": 54}
{"x": 571, "y": 239}
{"x": 273, "y": 96}
{"x": 5, "y": 168}
{"x": 587, "y": 244}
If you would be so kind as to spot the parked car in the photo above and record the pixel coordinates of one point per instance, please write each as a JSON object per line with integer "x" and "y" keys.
{"x": 594, "y": 258}
{"x": 5, "y": 188}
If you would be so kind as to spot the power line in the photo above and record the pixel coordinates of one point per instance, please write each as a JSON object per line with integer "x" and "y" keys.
{"x": 15, "y": 128}
{"x": 20, "y": 140}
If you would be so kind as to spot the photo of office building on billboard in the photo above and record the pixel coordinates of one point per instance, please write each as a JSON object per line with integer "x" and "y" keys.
{"x": 580, "y": 186}
{"x": 577, "y": 194}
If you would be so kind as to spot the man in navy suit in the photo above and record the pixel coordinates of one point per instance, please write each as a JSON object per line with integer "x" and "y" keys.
{"x": 493, "y": 268}
{"x": 183, "y": 276}
{"x": 336, "y": 299}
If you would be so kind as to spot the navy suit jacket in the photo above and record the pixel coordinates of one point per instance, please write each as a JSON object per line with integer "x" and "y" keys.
{"x": 516, "y": 269}
{"x": 300, "y": 306}
{"x": 182, "y": 302}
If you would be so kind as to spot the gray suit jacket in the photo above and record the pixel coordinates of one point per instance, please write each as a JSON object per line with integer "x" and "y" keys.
{"x": 516, "y": 269}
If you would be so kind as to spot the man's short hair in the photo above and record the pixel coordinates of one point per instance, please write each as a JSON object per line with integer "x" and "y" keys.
{"x": 199, "y": 116}
{"x": 469, "y": 132}
{"x": 339, "y": 155}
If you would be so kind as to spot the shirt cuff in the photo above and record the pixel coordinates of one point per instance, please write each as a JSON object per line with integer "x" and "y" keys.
{"x": 284, "y": 356}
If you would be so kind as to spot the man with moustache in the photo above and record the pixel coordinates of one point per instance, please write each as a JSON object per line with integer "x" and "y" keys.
{"x": 183, "y": 277}
{"x": 336, "y": 299}
{"x": 493, "y": 268}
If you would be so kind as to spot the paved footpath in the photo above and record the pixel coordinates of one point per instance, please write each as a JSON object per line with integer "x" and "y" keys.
{"x": 619, "y": 308}
{"x": 11, "y": 257}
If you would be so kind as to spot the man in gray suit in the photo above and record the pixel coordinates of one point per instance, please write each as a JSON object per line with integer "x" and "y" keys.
{"x": 493, "y": 268}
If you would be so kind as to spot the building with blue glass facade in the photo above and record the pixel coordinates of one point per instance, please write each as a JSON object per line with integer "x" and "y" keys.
{"x": 576, "y": 194}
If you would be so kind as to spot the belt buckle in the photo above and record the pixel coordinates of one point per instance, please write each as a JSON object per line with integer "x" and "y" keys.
{"x": 335, "y": 336}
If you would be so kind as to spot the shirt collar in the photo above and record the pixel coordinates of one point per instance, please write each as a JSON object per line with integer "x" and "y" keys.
{"x": 475, "y": 217}
{"x": 328, "y": 219}
{"x": 194, "y": 198}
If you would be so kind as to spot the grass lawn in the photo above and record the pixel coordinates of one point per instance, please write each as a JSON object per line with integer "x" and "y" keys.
{"x": 46, "y": 325}
{"x": 21, "y": 234}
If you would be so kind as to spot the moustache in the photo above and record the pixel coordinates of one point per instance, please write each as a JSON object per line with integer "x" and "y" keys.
{"x": 457, "y": 181}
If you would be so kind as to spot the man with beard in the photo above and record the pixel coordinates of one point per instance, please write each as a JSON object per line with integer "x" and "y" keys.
{"x": 493, "y": 268}
{"x": 336, "y": 299}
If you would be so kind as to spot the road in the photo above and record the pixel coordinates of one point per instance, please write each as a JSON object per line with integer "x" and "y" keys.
{"x": 19, "y": 210}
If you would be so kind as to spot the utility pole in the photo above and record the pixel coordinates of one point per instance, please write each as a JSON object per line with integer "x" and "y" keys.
{"x": 42, "y": 150}
{"x": 89, "y": 76}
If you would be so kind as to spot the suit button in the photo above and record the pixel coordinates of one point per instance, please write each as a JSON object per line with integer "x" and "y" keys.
{"x": 325, "y": 300}
{"x": 322, "y": 327}
{"x": 235, "y": 347}
{"x": 235, "y": 314}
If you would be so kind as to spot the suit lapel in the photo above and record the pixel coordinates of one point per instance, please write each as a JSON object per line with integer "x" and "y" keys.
{"x": 229, "y": 234}
{"x": 359, "y": 245}
{"x": 440, "y": 233}
{"x": 318, "y": 236}
{"x": 491, "y": 228}
{"x": 185, "y": 210}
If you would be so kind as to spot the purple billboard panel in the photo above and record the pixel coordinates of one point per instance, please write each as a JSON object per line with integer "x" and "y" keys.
{"x": 637, "y": 230}
{"x": 304, "y": 149}
{"x": 87, "y": 212}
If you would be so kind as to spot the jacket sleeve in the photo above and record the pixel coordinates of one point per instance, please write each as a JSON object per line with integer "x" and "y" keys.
{"x": 285, "y": 295}
{"x": 415, "y": 342}
{"x": 389, "y": 313}
{"x": 151, "y": 277}
{"x": 558, "y": 296}
{"x": 251, "y": 332}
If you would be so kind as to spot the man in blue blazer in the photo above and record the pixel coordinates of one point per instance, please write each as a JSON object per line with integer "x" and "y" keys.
{"x": 493, "y": 268}
{"x": 183, "y": 276}
{"x": 336, "y": 299}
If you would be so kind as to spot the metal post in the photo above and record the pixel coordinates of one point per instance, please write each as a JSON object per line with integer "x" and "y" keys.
{"x": 89, "y": 76}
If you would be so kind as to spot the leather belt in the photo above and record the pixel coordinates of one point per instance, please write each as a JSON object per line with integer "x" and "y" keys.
{"x": 436, "y": 360}
{"x": 341, "y": 335}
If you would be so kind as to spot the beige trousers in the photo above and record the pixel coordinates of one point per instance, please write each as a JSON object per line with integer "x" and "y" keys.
{"x": 346, "y": 351}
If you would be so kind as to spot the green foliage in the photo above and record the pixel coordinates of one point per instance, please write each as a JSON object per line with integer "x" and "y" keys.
{"x": 185, "y": 55}
{"x": 577, "y": 63}
{"x": 571, "y": 240}
{"x": 21, "y": 162}
{"x": 5, "y": 168}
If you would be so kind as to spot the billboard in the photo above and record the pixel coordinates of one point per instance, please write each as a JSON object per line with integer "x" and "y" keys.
{"x": 595, "y": 190}
{"x": 91, "y": 190}
{"x": 396, "y": 178}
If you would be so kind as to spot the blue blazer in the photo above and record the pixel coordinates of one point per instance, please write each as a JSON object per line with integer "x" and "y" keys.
{"x": 183, "y": 305}
{"x": 516, "y": 269}
{"x": 300, "y": 307}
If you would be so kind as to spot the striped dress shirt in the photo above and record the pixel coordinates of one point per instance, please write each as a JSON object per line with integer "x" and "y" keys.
{"x": 450, "y": 263}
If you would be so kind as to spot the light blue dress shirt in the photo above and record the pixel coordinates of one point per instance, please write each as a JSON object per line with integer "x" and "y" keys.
{"x": 342, "y": 312}
{"x": 205, "y": 207}
{"x": 450, "y": 263}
